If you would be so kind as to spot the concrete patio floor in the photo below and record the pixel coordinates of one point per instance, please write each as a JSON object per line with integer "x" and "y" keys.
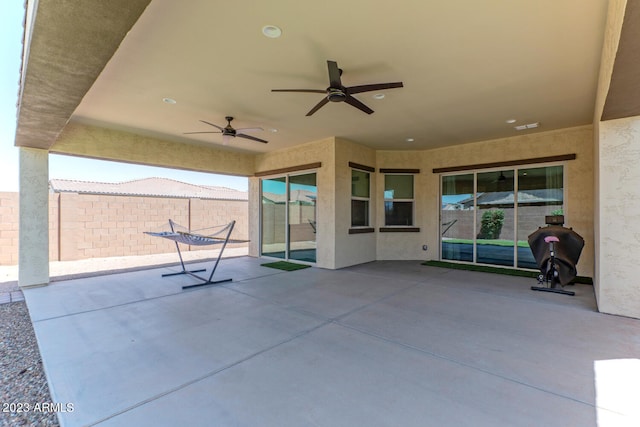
{"x": 389, "y": 343}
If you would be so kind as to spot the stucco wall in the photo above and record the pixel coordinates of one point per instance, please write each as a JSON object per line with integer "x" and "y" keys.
{"x": 407, "y": 245}
{"x": 618, "y": 285}
{"x": 334, "y": 191}
{"x": 319, "y": 151}
{"x": 353, "y": 248}
{"x": 33, "y": 249}
{"x": 578, "y": 205}
{"x": 109, "y": 144}
{"x": 616, "y": 235}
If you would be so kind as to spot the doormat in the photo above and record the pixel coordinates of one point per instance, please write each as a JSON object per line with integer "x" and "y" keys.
{"x": 497, "y": 270}
{"x": 286, "y": 266}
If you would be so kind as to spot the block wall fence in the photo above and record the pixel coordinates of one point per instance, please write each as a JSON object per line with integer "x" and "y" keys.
{"x": 83, "y": 226}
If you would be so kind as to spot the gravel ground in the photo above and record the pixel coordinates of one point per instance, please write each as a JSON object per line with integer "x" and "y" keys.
{"x": 22, "y": 379}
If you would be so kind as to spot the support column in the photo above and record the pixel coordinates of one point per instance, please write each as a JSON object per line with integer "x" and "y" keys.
{"x": 618, "y": 231}
{"x": 255, "y": 218}
{"x": 33, "y": 251}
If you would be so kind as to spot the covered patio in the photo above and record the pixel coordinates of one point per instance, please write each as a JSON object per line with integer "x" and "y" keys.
{"x": 387, "y": 343}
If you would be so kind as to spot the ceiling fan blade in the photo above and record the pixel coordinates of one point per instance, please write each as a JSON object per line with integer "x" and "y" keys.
{"x": 248, "y": 129}
{"x": 211, "y": 124}
{"x": 300, "y": 90}
{"x": 334, "y": 74}
{"x": 359, "y": 105}
{"x": 318, "y": 106}
{"x": 191, "y": 133}
{"x": 253, "y": 138}
{"x": 373, "y": 87}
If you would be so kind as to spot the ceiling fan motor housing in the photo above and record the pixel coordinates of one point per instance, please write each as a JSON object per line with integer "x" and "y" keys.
{"x": 336, "y": 95}
{"x": 228, "y": 130}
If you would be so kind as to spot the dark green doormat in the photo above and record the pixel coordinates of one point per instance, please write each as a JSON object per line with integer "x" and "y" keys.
{"x": 284, "y": 265}
{"x": 508, "y": 271}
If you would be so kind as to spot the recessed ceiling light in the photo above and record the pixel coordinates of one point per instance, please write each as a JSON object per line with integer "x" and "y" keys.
{"x": 511, "y": 121}
{"x": 378, "y": 96}
{"x": 169, "y": 100}
{"x": 274, "y": 130}
{"x": 409, "y": 139}
{"x": 271, "y": 31}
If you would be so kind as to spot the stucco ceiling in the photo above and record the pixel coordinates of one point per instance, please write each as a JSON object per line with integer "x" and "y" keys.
{"x": 467, "y": 67}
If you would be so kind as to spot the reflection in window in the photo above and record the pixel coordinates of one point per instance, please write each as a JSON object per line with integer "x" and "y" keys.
{"x": 360, "y": 194}
{"x": 494, "y": 217}
{"x": 486, "y": 217}
{"x": 398, "y": 200}
{"x": 288, "y": 217}
{"x": 457, "y": 212}
{"x": 540, "y": 193}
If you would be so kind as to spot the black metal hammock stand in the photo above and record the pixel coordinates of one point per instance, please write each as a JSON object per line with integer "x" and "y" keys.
{"x": 180, "y": 234}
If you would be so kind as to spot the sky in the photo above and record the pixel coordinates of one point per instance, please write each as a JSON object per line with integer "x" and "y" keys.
{"x": 65, "y": 167}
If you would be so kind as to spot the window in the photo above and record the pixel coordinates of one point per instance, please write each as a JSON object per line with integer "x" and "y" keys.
{"x": 487, "y": 216}
{"x": 360, "y": 193}
{"x": 398, "y": 200}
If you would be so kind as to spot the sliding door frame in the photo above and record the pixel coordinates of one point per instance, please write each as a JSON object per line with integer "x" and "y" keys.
{"x": 475, "y": 172}
{"x": 287, "y": 237}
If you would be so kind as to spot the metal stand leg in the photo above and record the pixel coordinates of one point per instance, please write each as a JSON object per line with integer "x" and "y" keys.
{"x": 215, "y": 266}
{"x": 184, "y": 270}
{"x": 551, "y": 277}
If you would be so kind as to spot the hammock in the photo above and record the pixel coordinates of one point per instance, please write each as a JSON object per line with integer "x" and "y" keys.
{"x": 189, "y": 238}
{"x": 180, "y": 234}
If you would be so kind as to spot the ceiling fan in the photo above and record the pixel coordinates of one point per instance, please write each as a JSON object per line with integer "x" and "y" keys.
{"x": 229, "y": 132}
{"x": 336, "y": 92}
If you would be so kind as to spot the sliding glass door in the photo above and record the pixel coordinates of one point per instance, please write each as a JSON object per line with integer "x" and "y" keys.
{"x": 494, "y": 218}
{"x": 302, "y": 217}
{"x": 274, "y": 213}
{"x": 288, "y": 217}
{"x": 486, "y": 216}
{"x": 540, "y": 193}
{"x": 457, "y": 214}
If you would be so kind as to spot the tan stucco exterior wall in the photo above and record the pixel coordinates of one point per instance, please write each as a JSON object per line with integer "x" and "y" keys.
{"x": 337, "y": 248}
{"x": 108, "y": 144}
{"x": 33, "y": 249}
{"x": 403, "y": 245}
{"x": 616, "y": 229}
{"x": 618, "y": 285}
{"x": 319, "y": 151}
{"x": 579, "y": 203}
{"x": 353, "y": 248}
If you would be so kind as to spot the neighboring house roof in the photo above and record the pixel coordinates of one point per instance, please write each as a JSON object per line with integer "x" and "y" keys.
{"x": 525, "y": 197}
{"x": 303, "y": 196}
{"x": 155, "y": 187}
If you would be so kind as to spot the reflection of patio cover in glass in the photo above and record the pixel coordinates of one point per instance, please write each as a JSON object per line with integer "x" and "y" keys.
{"x": 547, "y": 196}
{"x": 305, "y": 197}
{"x": 567, "y": 250}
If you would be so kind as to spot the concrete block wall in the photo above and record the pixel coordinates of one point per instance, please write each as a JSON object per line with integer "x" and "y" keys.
{"x": 85, "y": 226}
{"x": 208, "y": 215}
{"x": 99, "y": 226}
{"x": 9, "y": 228}
{"x": 54, "y": 226}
